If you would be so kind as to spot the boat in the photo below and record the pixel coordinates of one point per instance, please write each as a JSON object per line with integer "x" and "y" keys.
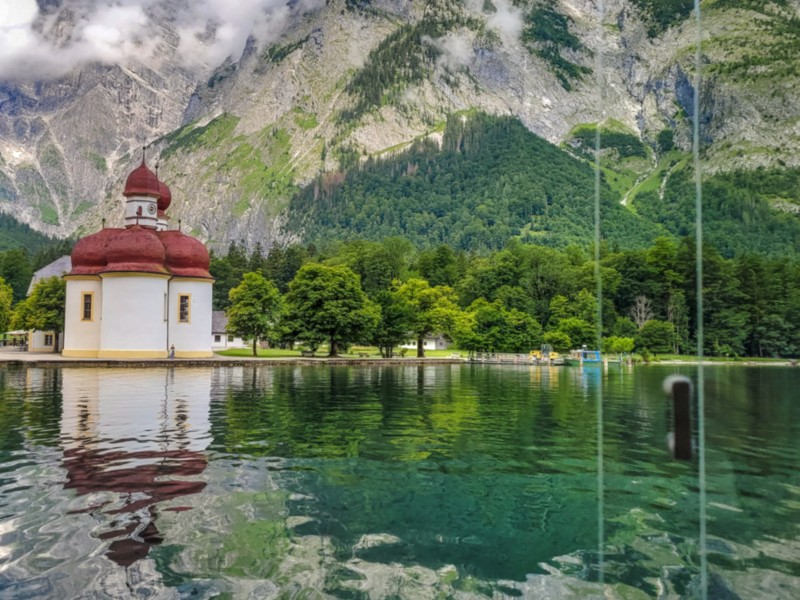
{"x": 584, "y": 357}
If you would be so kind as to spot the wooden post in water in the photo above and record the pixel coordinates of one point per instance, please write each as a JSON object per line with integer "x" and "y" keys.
{"x": 679, "y": 388}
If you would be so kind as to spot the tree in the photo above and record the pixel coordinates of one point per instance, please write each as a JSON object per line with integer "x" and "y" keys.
{"x": 6, "y": 298}
{"x": 435, "y": 309}
{"x": 327, "y": 303}
{"x": 372, "y": 262}
{"x": 559, "y": 341}
{"x": 255, "y": 308}
{"x": 624, "y": 328}
{"x": 656, "y": 336}
{"x": 497, "y": 329}
{"x": 580, "y": 332}
{"x": 440, "y": 266}
{"x": 395, "y": 322}
{"x": 15, "y": 269}
{"x": 44, "y": 309}
{"x": 641, "y": 311}
{"x": 228, "y": 271}
{"x": 282, "y": 264}
{"x": 618, "y": 345}
{"x": 559, "y": 309}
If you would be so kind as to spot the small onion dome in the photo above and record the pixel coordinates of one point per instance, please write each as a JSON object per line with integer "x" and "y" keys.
{"x": 136, "y": 250}
{"x": 142, "y": 182}
{"x": 186, "y": 256}
{"x": 89, "y": 253}
{"x": 164, "y": 196}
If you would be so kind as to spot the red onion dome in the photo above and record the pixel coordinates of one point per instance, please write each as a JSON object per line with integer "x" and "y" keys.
{"x": 136, "y": 250}
{"x": 186, "y": 256}
{"x": 89, "y": 253}
{"x": 142, "y": 182}
{"x": 164, "y": 196}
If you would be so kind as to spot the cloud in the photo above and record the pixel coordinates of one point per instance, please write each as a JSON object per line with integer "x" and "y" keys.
{"x": 45, "y": 44}
{"x": 456, "y": 50}
{"x": 508, "y": 19}
{"x": 503, "y": 16}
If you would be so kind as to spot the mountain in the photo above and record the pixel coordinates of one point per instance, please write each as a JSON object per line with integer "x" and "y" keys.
{"x": 346, "y": 86}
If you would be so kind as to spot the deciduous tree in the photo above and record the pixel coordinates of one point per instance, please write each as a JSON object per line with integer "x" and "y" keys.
{"x": 255, "y": 309}
{"x": 327, "y": 303}
{"x": 395, "y": 322}
{"x": 656, "y": 336}
{"x": 44, "y": 309}
{"x": 435, "y": 309}
{"x": 6, "y": 298}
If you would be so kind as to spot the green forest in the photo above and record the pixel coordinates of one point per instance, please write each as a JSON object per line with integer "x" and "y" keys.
{"x": 24, "y": 251}
{"x": 14, "y": 234}
{"x": 492, "y": 180}
{"x": 523, "y": 295}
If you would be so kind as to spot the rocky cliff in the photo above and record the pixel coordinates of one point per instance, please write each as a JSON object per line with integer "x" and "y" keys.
{"x": 346, "y": 79}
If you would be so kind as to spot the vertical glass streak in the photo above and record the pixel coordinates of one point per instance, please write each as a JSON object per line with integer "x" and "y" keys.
{"x": 701, "y": 426}
{"x": 599, "y": 296}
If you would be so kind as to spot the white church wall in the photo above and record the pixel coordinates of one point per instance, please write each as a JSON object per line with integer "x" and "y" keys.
{"x": 134, "y": 323}
{"x": 82, "y": 334}
{"x": 189, "y": 332}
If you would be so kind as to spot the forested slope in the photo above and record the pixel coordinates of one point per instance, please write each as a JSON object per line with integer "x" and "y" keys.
{"x": 488, "y": 180}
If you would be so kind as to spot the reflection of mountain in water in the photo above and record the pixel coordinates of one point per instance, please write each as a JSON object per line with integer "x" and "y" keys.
{"x": 129, "y": 437}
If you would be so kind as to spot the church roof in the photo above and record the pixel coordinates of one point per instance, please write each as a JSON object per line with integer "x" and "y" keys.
{"x": 142, "y": 182}
{"x": 56, "y": 268}
{"x": 137, "y": 249}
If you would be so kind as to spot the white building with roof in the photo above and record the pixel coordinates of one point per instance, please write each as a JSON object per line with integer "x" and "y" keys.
{"x": 45, "y": 341}
{"x": 220, "y": 338}
{"x": 142, "y": 290}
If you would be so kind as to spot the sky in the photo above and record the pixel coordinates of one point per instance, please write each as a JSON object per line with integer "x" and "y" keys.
{"x": 42, "y": 45}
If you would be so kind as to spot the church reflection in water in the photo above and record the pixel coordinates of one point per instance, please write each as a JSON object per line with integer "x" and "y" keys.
{"x": 134, "y": 444}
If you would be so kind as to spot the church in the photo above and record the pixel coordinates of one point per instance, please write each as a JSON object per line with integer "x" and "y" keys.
{"x": 141, "y": 291}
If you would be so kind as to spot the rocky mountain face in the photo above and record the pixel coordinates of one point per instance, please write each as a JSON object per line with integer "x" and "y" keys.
{"x": 349, "y": 79}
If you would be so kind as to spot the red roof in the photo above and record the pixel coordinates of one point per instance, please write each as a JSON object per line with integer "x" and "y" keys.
{"x": 135, "y": 249}
{"x": 142, "y": 182}
{"x": 89, "y": 253}
{"x": 185, "y": 255}
{"x": 140, "y": 250}
{"x": 165, "y": 196}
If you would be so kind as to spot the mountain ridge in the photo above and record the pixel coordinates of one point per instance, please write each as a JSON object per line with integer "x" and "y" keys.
{"x": 307, "y": 103}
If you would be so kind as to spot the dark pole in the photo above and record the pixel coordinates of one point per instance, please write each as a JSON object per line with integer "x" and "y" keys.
{"x": 679, "y": 388}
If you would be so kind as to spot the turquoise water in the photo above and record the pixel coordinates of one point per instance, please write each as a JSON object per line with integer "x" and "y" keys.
{"x": 391, "y": 482}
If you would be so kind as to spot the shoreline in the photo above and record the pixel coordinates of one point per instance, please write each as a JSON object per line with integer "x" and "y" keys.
{"x": 46, "y": 359}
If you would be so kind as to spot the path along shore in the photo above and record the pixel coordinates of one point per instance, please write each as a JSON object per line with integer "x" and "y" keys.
{"x": 17, "y": 356}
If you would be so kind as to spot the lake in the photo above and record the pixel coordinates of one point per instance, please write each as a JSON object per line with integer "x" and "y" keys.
{"x": 454, "y": 481}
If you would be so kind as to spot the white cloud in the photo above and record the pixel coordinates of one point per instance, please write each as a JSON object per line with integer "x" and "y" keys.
{"x": 508, "y": 19}
{"x": 40, "y": 46}
{"x": 505, "y": 18}
{"x": 456, "y": 50}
